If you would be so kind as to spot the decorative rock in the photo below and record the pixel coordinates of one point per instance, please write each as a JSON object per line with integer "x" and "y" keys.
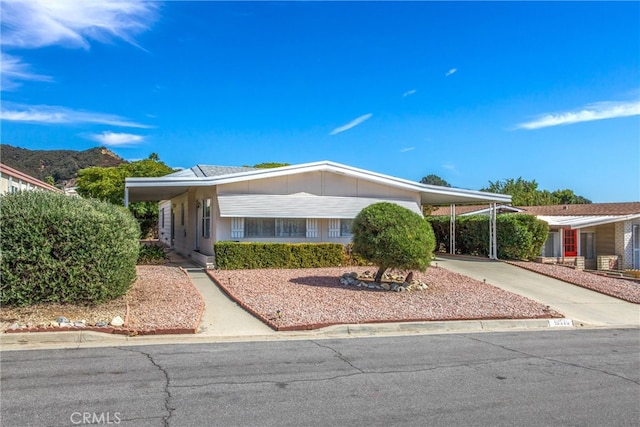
{"x": 409, "y": 277}
{"x": 65, "y": 324}
{"x": 79, "y": 324}
{"x": 117, "y": 321}
{"x": 353, "y": 274}
{"x": 62, "y": 319}
{"x": 15, "y": 326}
{"x": 371, "y": 286}
{"x": 385, "y": 286}
{"x": 101, "y": 324}
{"x": 54, "y": 324}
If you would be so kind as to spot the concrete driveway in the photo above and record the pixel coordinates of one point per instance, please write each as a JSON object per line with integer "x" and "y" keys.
{"x": 576, "y": 303}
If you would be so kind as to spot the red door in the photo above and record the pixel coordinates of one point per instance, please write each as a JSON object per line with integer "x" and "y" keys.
{"x": 570, "y": 243}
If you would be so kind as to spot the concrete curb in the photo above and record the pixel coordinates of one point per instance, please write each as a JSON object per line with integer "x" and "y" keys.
{"x": 18, "y": 340}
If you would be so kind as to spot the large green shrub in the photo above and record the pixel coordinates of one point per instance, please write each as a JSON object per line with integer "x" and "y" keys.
{"x": 391, "y": 236}
{"x": 57, "y": 248}
{"x": 519, "y": 236}
{"x": 241, "y": 255}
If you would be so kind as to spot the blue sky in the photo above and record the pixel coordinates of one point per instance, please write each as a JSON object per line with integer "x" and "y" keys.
{"x": 470, "y": 91}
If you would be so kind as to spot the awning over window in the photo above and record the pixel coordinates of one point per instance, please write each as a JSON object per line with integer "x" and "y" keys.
{"x": 300, "y": 205}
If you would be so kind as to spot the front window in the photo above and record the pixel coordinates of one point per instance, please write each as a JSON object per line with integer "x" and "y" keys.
{"x": 275, "y": 227}
{"x": 206, "y": 218}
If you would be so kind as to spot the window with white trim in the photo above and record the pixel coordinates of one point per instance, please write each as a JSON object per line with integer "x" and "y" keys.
{"x": 206, "y": 218}
{"x": 275, "y": 227}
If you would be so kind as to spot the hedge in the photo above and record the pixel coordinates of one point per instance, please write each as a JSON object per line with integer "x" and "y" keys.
{"x": 249, "y": 255}
{"x": 57, "y": 248}
{"x": 519, "y": 236}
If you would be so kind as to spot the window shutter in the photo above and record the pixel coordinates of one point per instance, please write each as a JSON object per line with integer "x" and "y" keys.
{"x": 237, "y": 228}
{"x": 334, "y": 228}
{"x": 312, "y": 228}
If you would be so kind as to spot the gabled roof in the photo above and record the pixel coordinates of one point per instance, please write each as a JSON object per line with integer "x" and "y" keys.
{"x": 169, "y": 186}
{"x": 585, "y": 209}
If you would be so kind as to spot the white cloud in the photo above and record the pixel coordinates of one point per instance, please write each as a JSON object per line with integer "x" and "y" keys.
{"x": 450, "y": 72}
{"x": 48, "y": 114}
{"x": 597, "y": 111}
{"x": 13, "y": 70}
{"x": 409, "y": 92}
{"x": 352, "y": 123}
{"x": 38, "y": 23}
{"x": 404, "y": 150}
{"x": 116, "y": 139}
{"x": 451, "y": 167}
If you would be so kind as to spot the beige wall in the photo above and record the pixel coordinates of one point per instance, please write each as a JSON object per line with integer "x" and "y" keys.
{"x": 605, "y": 239}
{"x": 318, "y": 183}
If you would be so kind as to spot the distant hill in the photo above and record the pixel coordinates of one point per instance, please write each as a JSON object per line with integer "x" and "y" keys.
{"x": 62, "y": 165}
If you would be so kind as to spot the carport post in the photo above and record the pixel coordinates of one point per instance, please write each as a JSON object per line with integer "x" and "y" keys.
{"x": 126, "y": 197}
{"x": 493, "y": 237}
{"x": 452, "y": 230}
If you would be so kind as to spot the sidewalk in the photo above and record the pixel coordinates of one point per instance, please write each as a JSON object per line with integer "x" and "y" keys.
{"x": 224, "y": 320}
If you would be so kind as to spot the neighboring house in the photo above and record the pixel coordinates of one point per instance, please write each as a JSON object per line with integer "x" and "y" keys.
{"x": 602, "y": 235}
{"x": 605, "y": 235}
{"x": 12, "y": 180}
{"x": 312, "y": 202}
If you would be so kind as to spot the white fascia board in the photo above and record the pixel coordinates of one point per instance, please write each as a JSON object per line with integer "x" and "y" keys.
{"x": 577, "y": 222}
{"x": 323, "y": 166}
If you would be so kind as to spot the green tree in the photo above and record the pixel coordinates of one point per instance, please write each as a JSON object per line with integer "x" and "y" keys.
{"x": 49, "y": 180}
{"x": 107, "y": 184}
{"x": 526, "y": 193}
{"x": 434, "y": 180}
{"x": 522, "y": 192}
{"x": 568, "y": 197}
{"x": 391, "y": 236}
{"x": 270, "y": 165}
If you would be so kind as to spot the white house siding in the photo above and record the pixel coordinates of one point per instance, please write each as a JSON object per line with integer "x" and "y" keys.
{"x": 205, "y": 245}
{"x": 183, "y": 237}
{"x": 164, "y": 222}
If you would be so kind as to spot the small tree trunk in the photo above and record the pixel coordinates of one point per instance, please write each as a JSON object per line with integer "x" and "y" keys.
{"x": 379, "y": 274}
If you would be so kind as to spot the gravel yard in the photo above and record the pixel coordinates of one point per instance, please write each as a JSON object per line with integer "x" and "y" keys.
{"x": 626, "y": 290}
{"x": 163, "y": 298}
{"x": 311, "y": 298}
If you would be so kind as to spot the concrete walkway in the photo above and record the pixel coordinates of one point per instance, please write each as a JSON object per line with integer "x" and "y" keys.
{"x": 576, "y": 303}
{"x": 222, "y": 317}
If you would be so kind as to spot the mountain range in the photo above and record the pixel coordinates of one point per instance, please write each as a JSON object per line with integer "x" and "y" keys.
{"x": 61, "y": 165}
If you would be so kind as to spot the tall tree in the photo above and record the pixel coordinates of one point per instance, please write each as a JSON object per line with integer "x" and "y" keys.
{"x": 108, "y": 184}
{"x": 526, "y": 193}
{"x": 434, "y": 180}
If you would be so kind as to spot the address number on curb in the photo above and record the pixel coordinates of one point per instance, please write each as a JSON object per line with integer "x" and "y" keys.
{"x": 560, "y": 322}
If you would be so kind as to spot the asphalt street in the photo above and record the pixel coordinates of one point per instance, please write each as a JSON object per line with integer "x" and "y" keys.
{"x": 585, "y": 377}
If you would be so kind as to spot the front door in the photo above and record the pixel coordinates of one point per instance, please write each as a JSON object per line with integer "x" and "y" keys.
{"x": 570, "y": 243}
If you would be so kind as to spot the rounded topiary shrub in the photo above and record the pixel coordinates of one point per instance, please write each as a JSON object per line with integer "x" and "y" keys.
{"x": 391, "y": 236}
{"x": 58, "y": 248}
